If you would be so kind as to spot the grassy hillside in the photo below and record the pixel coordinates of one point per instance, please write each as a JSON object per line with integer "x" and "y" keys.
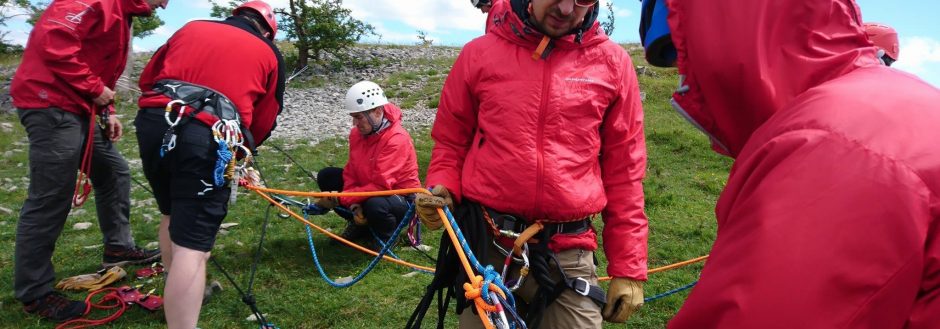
{"x": 683, "y": 181}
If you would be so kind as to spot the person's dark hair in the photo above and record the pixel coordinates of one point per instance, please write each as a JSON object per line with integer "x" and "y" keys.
{"x": 256, "y": 17}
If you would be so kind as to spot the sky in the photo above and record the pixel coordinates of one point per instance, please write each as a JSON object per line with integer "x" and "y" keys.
{"x": 454, "y": 22}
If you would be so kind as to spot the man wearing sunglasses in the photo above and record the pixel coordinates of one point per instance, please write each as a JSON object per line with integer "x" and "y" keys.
{"x": 540, "y": 121}
{"x": 831, "y": 214}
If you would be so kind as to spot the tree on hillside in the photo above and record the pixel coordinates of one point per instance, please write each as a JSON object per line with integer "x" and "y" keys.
{"x": 143, "y": 26}
{"x": 315, "y": 26}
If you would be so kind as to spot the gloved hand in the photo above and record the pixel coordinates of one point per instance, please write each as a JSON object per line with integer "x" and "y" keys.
{"x": 92, "y": 282}
{"x": 358, "y": 217}
{"x": 327, "y": 202}
{"x": 427, "y": 206}
{"x": 624, "y": 296}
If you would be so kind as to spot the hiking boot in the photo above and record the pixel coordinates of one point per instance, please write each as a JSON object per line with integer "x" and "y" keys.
{"x": 352, "y": 232}
{"x": 56, "y": 307}
{"x": 127, "y": 256}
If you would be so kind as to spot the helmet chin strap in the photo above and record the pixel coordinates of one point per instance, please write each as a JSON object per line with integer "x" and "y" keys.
{"x": 372, "y": 123}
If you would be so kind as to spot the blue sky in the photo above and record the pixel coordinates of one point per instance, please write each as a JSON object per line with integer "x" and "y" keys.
{"x": 454, "y": 22}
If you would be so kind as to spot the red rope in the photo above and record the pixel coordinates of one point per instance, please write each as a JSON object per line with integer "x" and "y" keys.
{"x": 101, "y": 305}
{"x": 83, "y": 184}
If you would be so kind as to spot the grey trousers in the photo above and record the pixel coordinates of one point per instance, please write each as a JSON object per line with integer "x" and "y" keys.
{"x": 56, "y": 140}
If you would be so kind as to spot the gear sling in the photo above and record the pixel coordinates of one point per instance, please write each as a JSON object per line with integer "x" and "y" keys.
{"x": 477, "y": 224}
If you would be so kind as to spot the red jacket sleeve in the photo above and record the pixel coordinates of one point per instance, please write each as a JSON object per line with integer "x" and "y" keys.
{"x": 387, "y": 169}
{"x": 816, "y": 231}
{"x": 623, "y": 166}
{"x": 60, "y": 33}
{"x": 454, "y": 127}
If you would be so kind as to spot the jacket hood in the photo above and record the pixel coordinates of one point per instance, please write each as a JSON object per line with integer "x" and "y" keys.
{"x": 508, "y": 24}
{"x": 737, "y": 71}
{"x": 392, "y": 113}
{"x": 137, "y": 8}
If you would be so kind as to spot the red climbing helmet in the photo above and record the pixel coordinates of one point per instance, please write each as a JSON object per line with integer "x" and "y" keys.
{"x": 262, "y": 8}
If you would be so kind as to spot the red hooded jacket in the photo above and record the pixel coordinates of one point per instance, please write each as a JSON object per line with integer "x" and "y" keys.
{"x": 74, "y": 51}
{"x": 382, "y": 161}
{"x": 558, "y": 138}
{"x": 201, "y": 53}
{"x": 831, "y": 214}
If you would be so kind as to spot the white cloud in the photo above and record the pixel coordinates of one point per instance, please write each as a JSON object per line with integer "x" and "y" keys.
{"x": 917, "y": 53}
{"x": 920, "y": 56}
{"x": 432, "y": 16}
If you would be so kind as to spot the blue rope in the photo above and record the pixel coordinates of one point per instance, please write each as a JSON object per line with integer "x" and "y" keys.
{"x": 490, "y": 276}
{"x": 671, "y": 292}
{"x": 385, "y": 249}
{"x": 225, "y": 155}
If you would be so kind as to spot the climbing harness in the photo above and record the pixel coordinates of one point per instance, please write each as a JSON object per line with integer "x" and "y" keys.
{"x": 217, "y": 112}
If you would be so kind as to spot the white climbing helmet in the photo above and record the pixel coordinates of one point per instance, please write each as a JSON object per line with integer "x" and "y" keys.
{"x": 364, "y": 96}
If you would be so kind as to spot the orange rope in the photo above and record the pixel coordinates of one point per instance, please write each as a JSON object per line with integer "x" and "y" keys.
{"x": 334, "y": 236}
{"x": 668, "y": 267}
{"x": 336, "y": 194}
{"x": 475, "y": 280}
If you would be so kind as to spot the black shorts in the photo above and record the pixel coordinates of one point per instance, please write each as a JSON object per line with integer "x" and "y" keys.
{"x": 183, "y": 180}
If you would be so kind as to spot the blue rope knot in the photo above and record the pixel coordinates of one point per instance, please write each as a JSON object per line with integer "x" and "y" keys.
{"x": 225, "y": 155}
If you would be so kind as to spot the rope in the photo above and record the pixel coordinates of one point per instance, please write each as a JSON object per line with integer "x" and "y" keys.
{"x": 314, "y": 177}
{"x": 101, "y": 305}
{"x": 260, "y": 192}
{"x": 670, "y": 292}
{"x": 668, "y": 267}
{"x": 335, "y": 194}
{"x": 467, "y": 259}
{"x": 386, "y": 248}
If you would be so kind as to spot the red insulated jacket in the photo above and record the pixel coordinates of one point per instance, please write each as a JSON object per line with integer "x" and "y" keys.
{"x": 201, "y": 53}
{"x": 74, "y": 51}
{"x": 382, "y": 161}
{"x": 558, "y": 138}
{"x": 831, "y": 214}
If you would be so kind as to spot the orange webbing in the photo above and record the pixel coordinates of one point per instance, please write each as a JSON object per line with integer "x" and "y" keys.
{"x": 541, "y": 48}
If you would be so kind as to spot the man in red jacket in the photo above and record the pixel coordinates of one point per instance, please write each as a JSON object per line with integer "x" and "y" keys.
{"x": 831, "y": 216}
{"x": 75, "y": 54}
{"x": 226, "y": 92}
{"x": 381, "y": 157}
{"x": 540, "y": 121}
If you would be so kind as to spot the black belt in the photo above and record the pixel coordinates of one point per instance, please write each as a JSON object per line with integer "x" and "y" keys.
{"x": 517, "y": 224}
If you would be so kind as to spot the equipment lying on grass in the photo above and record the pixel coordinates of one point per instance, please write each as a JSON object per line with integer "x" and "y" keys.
{"x": 94, "y": 281}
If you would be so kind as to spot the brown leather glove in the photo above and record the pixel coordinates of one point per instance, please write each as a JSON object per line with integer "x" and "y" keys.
{"x": 427, "y": 206}
{"x": 358, "y": 217}
{"x": 624, "y": 296}
{"x": 327, "y": 203}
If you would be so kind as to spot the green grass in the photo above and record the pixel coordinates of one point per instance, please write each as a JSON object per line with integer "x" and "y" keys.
{"x": 683, "y": 181}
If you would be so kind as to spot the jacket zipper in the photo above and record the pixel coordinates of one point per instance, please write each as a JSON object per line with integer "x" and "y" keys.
{"x": 539, "y": 144}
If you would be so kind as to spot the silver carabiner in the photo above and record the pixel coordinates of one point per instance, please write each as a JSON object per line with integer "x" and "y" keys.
{"x": 169, "y": 109}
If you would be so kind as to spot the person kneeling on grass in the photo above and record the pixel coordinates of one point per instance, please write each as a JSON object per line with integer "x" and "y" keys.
{"x": 381, "y": 157}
